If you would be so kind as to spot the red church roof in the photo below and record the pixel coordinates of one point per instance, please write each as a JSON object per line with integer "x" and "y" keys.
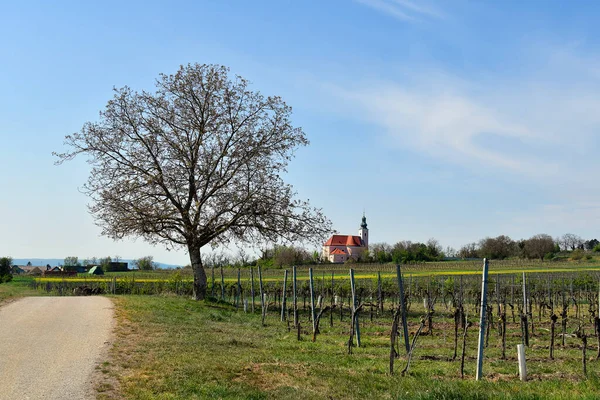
{"x": 344, "y": 240}
{"x": 338, "y": 251}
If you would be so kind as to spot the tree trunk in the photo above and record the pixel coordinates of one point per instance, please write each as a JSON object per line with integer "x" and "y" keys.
{"x": 199, "y": 273}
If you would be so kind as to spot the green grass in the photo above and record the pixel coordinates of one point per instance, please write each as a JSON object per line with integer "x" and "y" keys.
{"x": 175, "y": 348}
{"x": 362, "y": 271}
{"x": 18, "y": 287}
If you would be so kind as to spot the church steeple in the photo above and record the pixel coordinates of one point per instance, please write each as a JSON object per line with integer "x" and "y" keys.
{"x": 364, "y": 231}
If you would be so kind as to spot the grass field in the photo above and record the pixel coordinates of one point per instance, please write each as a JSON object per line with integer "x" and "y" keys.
{"x": 18, "y": 287}
{"x": 169, "y": 347}
{"x": 362, "y": 271}
{"x": 174, "y": 348}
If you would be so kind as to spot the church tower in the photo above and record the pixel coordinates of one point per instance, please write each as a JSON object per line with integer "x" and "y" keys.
{"x": 363, "y": 232}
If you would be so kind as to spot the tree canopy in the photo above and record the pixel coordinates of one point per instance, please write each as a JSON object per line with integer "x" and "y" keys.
{"x": 5, "y": 269}
{"x": 145, "y": 263}
{"x": 71, "y": 261}
{"x": 406, "y": 251}
{"x": 198, "y": 161}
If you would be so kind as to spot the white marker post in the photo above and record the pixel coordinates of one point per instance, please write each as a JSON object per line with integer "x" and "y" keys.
{"x": 522, "y": 366}
{"x": 482, "y": 320}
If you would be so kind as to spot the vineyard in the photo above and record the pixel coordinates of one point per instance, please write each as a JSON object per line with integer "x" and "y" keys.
{"x": 428, "y": 319}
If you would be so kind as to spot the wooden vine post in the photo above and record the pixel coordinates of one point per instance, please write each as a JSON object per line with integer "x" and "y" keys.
{"x": 283, "y": 296}
{"x": 583, "y": 355}
{"x": 222, "y": 285}
{"x": 294, "y": 289}
{"x": 354, "y": 308}
{"x": 332, "y": 301}
{"x": 553, "y": 319}
{"x": 238, "y": 293}
{"x": 262, "y": 295}
{"x": 312, "y": 300}
{"x": 379, "y": 294}
{"x": 502, "y": 323}
{"x": 252, "y": 288}
{"x": 524, "y": 323}
{"x": 563, "y": 315}
{"x": 482, "y": 320}
{"x": 512, "y": 299}
{"x": 597, "y": 324}
{"x": 403, "y": 308}
{"x": 212, "y": 291}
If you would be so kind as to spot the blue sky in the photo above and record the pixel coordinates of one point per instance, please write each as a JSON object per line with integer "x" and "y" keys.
{"x": 452, "y": 119}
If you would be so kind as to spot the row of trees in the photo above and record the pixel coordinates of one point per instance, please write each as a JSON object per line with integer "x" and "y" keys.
{"x": 570, "y": 241}
{"x": 541, "y": 246}
{"x": 281, "y": 255}
{"x": 538, "y": 246}
{"x": 404, "y": 251}
{"x": 276, "y": 256}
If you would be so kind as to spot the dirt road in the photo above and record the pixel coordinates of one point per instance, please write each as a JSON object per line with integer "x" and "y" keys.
{"x": 49, "y": 346}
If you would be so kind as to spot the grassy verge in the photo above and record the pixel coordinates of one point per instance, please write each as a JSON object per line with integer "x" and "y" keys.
{"x": 16, "y": 288}
{"x": 174, "y": 348}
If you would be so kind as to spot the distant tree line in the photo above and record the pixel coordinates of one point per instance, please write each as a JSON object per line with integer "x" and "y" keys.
{"x": 540, "y": 246}
{"x": 271, "y": 257}
{"x": 404, "y": 252}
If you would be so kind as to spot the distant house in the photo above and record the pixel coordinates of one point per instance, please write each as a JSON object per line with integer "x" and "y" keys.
{"x": 32, "y": 269}
{"x": 82, "y": 269}
{"x": 114, "y": 266}
{"x": 36, "y": 270}
{"x": 58, "y": 271}
{"x": 96, "y": 270}
{"x": 16, "y": 270}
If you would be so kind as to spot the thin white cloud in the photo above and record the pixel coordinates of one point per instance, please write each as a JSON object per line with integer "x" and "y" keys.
{"x": 404, "y": 10}
{"x": 542, "y": 125}
{"x": 539, "y": 129}
{"x": 445, "y": 124}
{"x": 387, "y": 8}
{"x": 420, "y": 8}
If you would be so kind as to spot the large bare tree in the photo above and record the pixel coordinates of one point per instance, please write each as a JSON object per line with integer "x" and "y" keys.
{"x": 538, "y": 246}
{"x": 198, "y": 161}
{"x": 571, "y": 241}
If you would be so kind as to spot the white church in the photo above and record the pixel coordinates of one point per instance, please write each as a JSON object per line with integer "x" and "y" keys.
{"x": 340, "y": 248}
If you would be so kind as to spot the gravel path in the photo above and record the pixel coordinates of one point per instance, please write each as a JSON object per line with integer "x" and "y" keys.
{"x": 50, "y": 346}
